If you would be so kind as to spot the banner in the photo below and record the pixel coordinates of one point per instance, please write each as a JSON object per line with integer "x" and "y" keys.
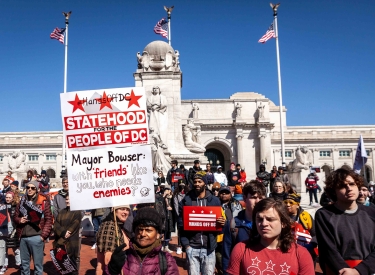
{"x": 110, "y": 117}
{"x": 32, "y": 212}
{"x": 3, "y": 216}
{"x": 201, "y": 218}
{"x": 360, "y": 156}
{"x": 62, "y": 261}
{"x": 110, "y": 177}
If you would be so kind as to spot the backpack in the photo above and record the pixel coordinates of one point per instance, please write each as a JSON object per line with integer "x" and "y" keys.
{"x": 162, "y": 262}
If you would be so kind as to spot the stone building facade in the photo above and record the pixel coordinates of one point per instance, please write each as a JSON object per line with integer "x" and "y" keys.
{"x": 244, "y": 128}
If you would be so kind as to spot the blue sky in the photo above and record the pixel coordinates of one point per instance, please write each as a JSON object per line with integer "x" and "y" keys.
{"x": 326, "y": 48}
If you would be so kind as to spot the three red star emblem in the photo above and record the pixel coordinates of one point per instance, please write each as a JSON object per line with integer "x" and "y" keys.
{"x": 77, "y": 103}
{"x": 105, "y": 101}
{"x": 133, "y": 99}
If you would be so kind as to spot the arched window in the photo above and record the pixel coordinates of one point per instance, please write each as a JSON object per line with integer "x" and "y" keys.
{"x": 51, "y": 173}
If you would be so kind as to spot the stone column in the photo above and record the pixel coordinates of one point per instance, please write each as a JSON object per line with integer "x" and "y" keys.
{"x": 262, "y": 143}
{"x": 41, "y": 160}
{"x": 315, "y": 156}
{"x": 373, "y": 163}
{"x": 239, "y": 149}
{"x": 334, "y": 158}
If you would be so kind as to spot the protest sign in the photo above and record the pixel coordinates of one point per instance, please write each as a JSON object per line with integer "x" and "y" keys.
{"x": 110, "y": 177}
{"x": 3, "y": 216}
{"x": 62, "y": 261}
{"x": 110, "y": 117}
{"x": 201, "y": 218}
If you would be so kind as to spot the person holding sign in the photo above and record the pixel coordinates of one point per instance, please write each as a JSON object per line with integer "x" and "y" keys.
{"x": 271, "y": 248}
{"x": 66, "y": 229}
{"x": 111, "y": 234}
{"x": 30, "y": 228}
{"x": 199, "y": 245}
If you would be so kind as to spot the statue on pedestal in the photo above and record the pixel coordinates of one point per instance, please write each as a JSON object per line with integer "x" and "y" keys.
{"x": 158, "y": 117}
{"x": 238, "y": 110}
{"x": 160, "y": 161}
{"x": 261, "y": 110}
{"x": 191, "y": 136}
{"x": 195, "y": 110}
{"x": 304, "y": 159}
{"x": 16, "y": 162}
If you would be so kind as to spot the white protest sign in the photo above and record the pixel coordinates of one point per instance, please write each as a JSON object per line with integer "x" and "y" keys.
{"x": 110, "y": 177}
{"x": 110, "y": 117}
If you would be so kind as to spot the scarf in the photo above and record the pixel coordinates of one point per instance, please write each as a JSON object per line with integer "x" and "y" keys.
{"x": 143, "y": 251}
{"x": 63, "y": 193}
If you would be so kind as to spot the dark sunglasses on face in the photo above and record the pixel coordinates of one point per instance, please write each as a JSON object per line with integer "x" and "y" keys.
{"x": 216, "y": 189}
{"x": 31, "y": 187}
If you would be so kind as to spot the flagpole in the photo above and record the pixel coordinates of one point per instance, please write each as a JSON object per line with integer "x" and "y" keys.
{"x": 274, "y": 7}
{"x": 169, "y": 11}
{"x": 67, "y": 15}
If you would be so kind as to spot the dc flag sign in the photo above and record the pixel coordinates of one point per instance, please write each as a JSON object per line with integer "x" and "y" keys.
{"x": 102, "y": 118}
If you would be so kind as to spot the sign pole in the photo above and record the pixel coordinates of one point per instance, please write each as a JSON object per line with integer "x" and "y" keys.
{"x": 67, "y": 15}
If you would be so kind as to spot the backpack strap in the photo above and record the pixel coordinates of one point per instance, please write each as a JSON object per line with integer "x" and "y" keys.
{"x": 163, "y": 263}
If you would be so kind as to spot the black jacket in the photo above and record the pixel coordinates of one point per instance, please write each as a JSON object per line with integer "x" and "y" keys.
{"x": 187, "y": 236}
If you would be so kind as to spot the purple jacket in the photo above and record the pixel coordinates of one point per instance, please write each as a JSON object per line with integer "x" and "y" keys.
{"x": 149, "y": 265}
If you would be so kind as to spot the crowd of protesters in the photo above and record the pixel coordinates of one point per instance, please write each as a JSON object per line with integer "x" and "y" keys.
{"x": 262, "y": 228}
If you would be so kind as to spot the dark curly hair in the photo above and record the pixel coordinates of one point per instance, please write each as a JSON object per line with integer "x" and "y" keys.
{"x": 254, "y": 187}
{"x": 286, "y": 238}
{"x": 336, "y": 180}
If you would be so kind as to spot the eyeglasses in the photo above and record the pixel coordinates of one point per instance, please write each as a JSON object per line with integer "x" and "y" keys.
{"x": 215, "y": 189}
{"x": 31, "y": 187}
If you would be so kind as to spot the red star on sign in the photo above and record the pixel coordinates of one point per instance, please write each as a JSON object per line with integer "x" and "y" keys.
{"x": 77, "y": 103}
{"x": 105, "y": 101}
{"x": 133, "y": 99}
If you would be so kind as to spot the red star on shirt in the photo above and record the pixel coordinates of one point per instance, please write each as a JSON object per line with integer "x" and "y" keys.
{"x": 105, "y": 101}
{"x": 77, "y": 103}
{"x": 133, "y": 99}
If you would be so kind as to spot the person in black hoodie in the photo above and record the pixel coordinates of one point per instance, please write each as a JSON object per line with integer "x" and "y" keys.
{"x": 345, "y": 229}
{"x": 196, "y": 168}
{"x": 233, "y": 175}
{"x": 199, "y": 245}
{"x": 44, "y": 182}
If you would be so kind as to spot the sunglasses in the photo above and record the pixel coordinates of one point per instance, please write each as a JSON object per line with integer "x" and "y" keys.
{"x": 31, "y": 187}
{"x": 215, "y": 189}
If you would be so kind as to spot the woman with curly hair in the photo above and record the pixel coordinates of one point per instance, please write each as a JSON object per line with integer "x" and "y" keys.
{"x": 345, "y": 229}
{"x": 271, "y": 246}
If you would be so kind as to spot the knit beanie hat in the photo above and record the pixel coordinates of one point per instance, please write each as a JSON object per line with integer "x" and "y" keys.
{"x": 35, "y": 183}
{"x": 201, "y": 175}
{"x": 148, "y": 217}
{"x": 43, "y": 172}
{"x": 15, "y": 182}
{"x": 294, "y": 197}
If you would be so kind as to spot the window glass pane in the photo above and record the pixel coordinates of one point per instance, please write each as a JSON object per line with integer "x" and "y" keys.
{"x": 33, "y": 157}
{"x": 344, "y": 153}
{"x": 50, "y": 157}
{"x": 325, "y": 153}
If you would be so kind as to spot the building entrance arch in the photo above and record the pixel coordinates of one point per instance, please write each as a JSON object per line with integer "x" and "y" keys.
{"x": 218, "y": 153}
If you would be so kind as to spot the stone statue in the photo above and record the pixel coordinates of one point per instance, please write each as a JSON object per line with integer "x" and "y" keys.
{"x": 157, "y": 113}
{"x": 261, "y": 110}
{"x": 195, "y": 110}
{"x": 238, "y": 109}
{"x": 304, "y": 159}
{"x": 160, "y": 162}
{"x": 191, "y": 134}
{"x": 16, "y": 162}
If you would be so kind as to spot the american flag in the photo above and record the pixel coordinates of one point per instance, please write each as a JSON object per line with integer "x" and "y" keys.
{"x": 268, "y": 35}
{"x": 162, "y": 28}
{"x": 58, "y": 34}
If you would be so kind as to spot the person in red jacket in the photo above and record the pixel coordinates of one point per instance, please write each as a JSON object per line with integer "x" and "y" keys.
{"x": 312, "y": 185}
{"x": 33, "y": 218}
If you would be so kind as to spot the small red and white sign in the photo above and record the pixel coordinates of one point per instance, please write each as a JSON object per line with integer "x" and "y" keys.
{"x": 201, "y": 218}
{"x": 105, "y": 118}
